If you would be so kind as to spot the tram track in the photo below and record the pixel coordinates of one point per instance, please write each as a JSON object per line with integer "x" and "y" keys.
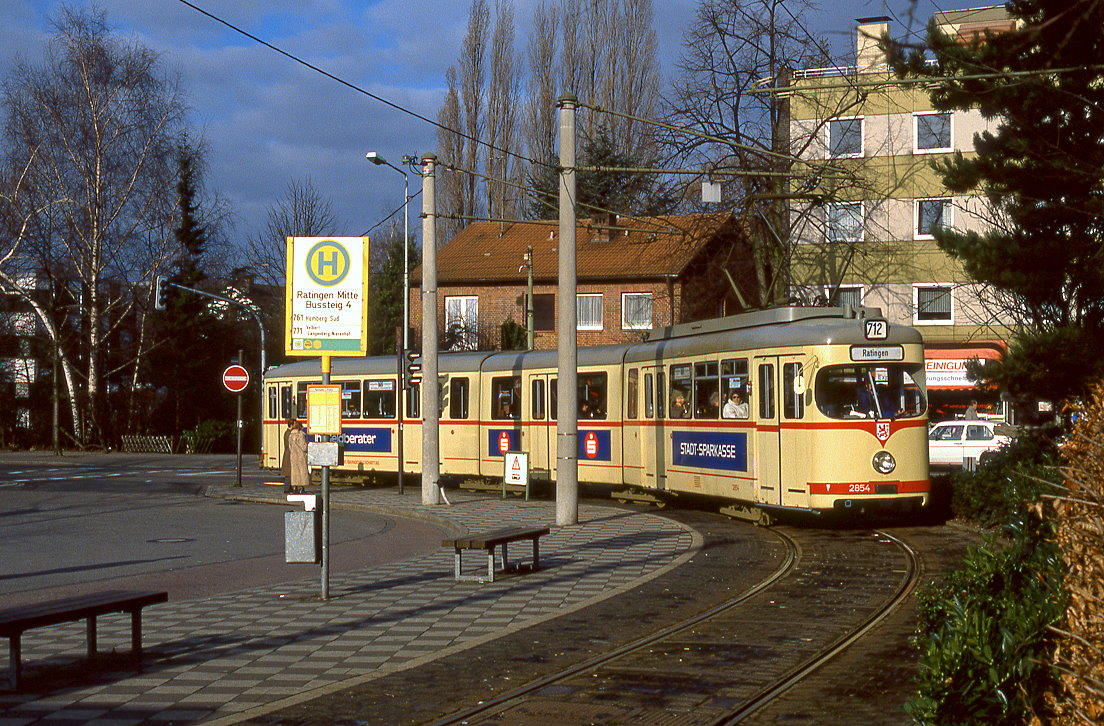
{"x": 723, "y": 665}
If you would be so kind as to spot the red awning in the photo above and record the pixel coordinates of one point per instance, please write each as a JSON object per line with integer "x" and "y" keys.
{"x": 945, "y": 368}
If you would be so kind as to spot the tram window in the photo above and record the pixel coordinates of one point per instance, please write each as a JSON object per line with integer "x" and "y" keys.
{"x": 661, "y": 398}
{"x": 301, "y": 397}
{"x": 870, "y": 391}
{"x": 287, "y": 410}
{"x": 379, "y": 399}
{"x": 766, "y": 391}
{"x": 553, "y": 400}
{"x": 272, "y": 410}
{"x": 682, "y": 386}
{"x": 734, "y": 380}
{"x": 649, "y": 396}
{"x": 536, "y": 399}
{"x": 793, "y": 404}
{"x": 707, "y": 393}
{"x": 350, "y": 399}
{"x": 505, "y": 397}
{"x": 592, "y": 399}
{"x": 458, "y": 398}
{"x": 631, "y": 385}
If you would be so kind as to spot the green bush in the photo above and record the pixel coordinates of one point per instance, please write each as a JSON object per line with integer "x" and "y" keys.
{"x": 983, "y": 633}
{"x": 202, "y": 439}
{"x": 1011, "y": 477}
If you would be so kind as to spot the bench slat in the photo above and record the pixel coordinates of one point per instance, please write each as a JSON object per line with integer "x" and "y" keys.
{"x": 496, "y": 537}
{"x": 25, "y": 617}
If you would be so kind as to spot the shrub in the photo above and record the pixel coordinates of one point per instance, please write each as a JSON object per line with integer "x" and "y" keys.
{"x": 984, "y": 632}
{"x": 1017, "y": 474}
{"x": 202, "y": 439}
{"x": 1080, "y": 533}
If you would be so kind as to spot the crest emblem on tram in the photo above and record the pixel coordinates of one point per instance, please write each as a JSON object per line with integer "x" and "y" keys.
{"x": 881, "y": 430}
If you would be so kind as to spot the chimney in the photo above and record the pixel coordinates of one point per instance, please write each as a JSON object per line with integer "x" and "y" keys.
{"x": 600, "y": 226}
{"x": 868, "y": 54}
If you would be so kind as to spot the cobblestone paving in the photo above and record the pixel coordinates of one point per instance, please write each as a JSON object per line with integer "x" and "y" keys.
{"x": 221, "y": 655}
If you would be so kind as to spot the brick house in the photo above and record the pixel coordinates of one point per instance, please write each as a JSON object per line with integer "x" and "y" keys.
{"x": 634, "y": 274}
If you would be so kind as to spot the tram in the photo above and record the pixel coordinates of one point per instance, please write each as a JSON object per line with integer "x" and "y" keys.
{"x": 796, "y": 408}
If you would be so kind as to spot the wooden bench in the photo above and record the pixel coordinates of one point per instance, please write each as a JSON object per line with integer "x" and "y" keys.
{"x": 16, "y": 621}
{"x": 488, "y": 541}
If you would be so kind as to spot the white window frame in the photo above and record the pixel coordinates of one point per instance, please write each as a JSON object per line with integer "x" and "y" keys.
{"x": 948, "y": 216}
{"x": 862, "y": 137}
{"x": 625, "y": 324}
{"x": 468, "y": 325}
{"x": 579, "y": 325}
{"x": 917, "y": 149}
{"x": 916, "y": 320}
{"x": 829, "y": 228}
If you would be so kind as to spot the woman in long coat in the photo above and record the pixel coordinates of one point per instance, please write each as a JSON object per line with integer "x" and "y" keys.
{"x": 297, "y": 447}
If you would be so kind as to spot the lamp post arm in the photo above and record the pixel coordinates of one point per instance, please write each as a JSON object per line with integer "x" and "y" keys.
{"x": 240, "y": 304}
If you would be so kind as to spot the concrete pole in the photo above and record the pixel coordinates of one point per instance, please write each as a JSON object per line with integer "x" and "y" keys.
{"x": 567, "y": 408}
{"x": 530, "y": 330}
{"x": 431, "y": 463}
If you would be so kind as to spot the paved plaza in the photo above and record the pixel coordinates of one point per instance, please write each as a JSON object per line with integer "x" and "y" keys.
{"x": 239, "y": 654}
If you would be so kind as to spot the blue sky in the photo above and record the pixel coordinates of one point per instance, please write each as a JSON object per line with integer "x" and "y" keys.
{"x": 268, "y": 120}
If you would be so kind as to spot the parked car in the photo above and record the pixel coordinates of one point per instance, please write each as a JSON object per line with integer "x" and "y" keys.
{"x": 951, "y": 442}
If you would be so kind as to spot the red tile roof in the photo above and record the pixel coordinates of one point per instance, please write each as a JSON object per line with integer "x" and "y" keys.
{"x": 636, "y": 248}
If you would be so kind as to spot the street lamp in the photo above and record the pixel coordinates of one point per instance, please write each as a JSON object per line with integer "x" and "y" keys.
{"x": 380, "y": 161}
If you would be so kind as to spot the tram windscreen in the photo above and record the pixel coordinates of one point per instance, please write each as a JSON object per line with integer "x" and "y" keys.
{"x": 870, "y": 391}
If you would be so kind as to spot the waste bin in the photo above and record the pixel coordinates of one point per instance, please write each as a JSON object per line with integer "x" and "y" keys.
{"x": 303, "y": 531}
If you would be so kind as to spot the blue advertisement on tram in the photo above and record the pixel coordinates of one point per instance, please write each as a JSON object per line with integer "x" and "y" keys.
{"x": 710, "y": 450}
{"x": 365, "y": 440}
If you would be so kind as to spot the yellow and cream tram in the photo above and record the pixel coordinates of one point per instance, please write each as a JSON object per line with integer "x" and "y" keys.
{"x": 811, "y": 409}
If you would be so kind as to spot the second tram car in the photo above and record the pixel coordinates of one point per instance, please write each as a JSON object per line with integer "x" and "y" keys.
{"x": 811, "y": 409}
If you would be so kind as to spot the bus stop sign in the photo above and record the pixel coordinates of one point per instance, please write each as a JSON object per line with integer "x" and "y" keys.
{"x": 235, "y": 379}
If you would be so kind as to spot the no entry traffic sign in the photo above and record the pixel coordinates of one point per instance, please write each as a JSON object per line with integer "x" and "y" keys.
{"x": 235, "y": 378}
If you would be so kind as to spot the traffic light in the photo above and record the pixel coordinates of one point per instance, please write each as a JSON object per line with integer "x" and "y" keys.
{"x": 161, "y": 293}
{"x": 413, "y": 371}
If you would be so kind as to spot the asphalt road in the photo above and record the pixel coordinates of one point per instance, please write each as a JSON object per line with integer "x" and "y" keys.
{"x": 97, "y": 521}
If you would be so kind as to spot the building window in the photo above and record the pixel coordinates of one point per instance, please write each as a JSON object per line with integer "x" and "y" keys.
{"x": 844, "y": 222}
{"x": 933, "y": 132}
{"x": 636, "y": 310}
{"x": 930, "y": 215}
{"x": 845, "y": 137}
{"x": 933, "y": 304}
{"x": 845, "y": 296}
{"x": 588, "y": 311}
{"x": 544, "y": 311}
{"x": 462, "y": 323}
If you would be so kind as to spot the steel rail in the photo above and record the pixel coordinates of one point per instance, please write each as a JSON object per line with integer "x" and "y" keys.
{"x": 772, "y": 692}
{"x": 509, "y": 699}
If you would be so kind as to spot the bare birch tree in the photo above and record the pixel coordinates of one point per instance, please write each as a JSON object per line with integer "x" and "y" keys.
{"x": 96, "y": 126}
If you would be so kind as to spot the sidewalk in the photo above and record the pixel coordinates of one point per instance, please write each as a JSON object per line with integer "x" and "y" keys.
{"x": 234, "y": 656}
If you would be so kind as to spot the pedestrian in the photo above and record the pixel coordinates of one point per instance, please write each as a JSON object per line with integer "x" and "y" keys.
{"x": 285, "y": 458}
{"x": 297, "y": 445}
{"x": 971, "y": 411}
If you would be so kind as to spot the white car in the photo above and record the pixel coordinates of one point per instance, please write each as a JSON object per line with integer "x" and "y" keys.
{"x": 951, "y": 442}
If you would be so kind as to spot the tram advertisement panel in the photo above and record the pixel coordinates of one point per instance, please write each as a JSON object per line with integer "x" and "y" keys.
{"x": 365, "y": 440}
{"x": 710, "y": 450}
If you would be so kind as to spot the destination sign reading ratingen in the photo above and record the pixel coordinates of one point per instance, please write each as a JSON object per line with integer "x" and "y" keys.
{"x": 327, "y": 296}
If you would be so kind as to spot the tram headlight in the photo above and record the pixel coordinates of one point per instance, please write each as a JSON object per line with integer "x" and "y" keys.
{"x": 884, "y": 463}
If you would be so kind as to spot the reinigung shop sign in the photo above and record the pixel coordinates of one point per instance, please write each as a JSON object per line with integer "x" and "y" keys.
{"x": 327, "y": 296}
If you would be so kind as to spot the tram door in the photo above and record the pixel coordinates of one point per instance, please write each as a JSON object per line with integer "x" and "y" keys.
{"x": 768, "y": 461}
{"x": 538, "y": 435}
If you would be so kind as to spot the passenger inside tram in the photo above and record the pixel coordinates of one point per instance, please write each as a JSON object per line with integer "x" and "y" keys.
{"x": 679, "y": 409}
